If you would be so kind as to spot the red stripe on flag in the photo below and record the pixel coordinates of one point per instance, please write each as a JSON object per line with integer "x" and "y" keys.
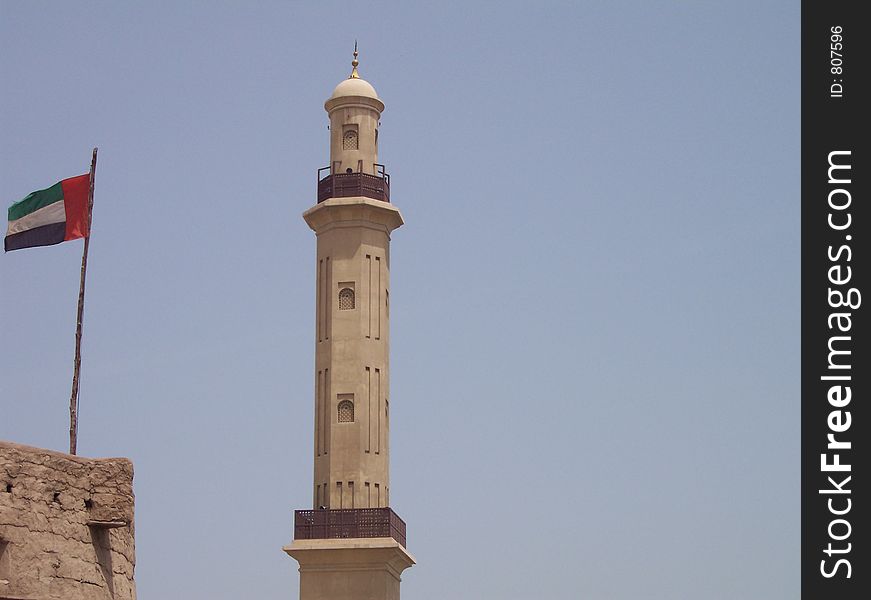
{"x": 76, "y": 191}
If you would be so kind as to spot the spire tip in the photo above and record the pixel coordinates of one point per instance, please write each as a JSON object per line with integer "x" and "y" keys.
{"x": 354, "y": 63}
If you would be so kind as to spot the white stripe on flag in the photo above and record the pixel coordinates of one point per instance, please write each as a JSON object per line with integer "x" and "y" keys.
{"x": 53, "y": 213}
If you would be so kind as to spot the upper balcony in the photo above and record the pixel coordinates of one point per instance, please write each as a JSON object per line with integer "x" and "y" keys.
{"x": 345, "y": 185}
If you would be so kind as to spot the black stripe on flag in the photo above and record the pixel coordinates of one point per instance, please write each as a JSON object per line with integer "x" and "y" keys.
{"x": 44, "y": 235}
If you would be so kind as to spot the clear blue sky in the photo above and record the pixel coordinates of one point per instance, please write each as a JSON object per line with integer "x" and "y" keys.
{"x": 595, "y": 297}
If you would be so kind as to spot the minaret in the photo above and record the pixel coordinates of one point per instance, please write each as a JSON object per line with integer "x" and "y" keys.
{"x": 351, "y": 544}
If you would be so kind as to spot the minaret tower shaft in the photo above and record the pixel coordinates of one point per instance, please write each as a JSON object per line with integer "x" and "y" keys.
{"x": 351, "y": 544}
{"x": 353, "y": 221}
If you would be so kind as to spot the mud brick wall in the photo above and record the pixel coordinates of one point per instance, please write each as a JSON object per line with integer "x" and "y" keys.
{"x": 66, "y": 526}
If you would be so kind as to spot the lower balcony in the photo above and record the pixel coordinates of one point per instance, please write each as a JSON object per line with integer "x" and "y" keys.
{"x": 325, "y": 523}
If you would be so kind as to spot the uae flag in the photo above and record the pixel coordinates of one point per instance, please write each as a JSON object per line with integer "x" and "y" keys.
{"x": 50, "y": 216}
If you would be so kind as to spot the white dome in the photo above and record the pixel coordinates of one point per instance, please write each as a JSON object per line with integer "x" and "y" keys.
{"x": 354, "y": 86}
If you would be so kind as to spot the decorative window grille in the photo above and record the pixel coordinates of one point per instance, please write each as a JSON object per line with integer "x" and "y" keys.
{"x": 346, "y": 299}
{"x": 349, "y": 140}
{"x": 346, "y": 411}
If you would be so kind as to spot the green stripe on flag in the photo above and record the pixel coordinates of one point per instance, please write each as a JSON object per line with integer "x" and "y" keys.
{"x": 35, "y": 201}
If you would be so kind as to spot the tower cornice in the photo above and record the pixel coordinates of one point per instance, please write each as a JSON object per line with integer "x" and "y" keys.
{"x": 351, "y": 212}
{"x": 354, "y": 101}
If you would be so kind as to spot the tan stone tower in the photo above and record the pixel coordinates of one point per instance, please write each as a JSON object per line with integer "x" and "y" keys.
{"x": 351, "y": 545}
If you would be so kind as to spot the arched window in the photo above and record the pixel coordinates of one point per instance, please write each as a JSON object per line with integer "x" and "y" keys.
{"x": 349, "y": 140}
{"x": 346, "y": 411}
{"x": 346, "y": 299}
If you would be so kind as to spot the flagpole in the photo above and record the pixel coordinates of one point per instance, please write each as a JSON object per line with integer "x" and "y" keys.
{"x": 77, "y": 366}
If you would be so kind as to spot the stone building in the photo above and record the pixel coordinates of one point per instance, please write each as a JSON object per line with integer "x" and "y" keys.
{"x": 351, "y": 544}
{"x": 66, "y": 526}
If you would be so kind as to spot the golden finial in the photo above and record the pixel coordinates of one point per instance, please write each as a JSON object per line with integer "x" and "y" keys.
{"x": 354, "y": 63}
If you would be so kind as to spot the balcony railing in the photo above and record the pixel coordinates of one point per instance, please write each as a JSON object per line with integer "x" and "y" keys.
{"x": 326, "y": 523}
{"x": 344, "y": 185}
